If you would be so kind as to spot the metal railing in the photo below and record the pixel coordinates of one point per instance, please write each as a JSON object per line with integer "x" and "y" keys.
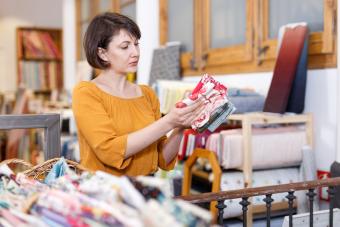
{"x": 268, "y": 191}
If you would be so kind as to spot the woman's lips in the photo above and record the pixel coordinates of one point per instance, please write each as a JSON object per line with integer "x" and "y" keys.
{"x": 135, "y": 63}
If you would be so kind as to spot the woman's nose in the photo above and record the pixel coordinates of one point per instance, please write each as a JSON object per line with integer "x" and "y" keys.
{"x": 135, "y": 51}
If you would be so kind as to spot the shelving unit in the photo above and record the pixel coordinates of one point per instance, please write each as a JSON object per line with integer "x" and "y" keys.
{"x": 39, "y": 58}
{"x": 247, "y": 121}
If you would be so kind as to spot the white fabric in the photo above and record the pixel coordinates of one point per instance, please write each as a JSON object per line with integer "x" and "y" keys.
{"x": 271, "y": 148}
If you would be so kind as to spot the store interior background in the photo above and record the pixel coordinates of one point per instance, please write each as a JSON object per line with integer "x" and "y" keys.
{"x": 322, "y": 86}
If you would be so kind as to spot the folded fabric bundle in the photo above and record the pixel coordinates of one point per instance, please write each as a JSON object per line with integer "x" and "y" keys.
{"x": 217, "y": 106}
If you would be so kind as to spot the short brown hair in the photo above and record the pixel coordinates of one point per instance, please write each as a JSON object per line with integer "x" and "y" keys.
{"x": 100, "y": 32}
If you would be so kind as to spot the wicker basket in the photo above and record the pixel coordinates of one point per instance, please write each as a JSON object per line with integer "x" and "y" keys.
{"x": 40, "y": 171}
{"x": 14, "y": 162}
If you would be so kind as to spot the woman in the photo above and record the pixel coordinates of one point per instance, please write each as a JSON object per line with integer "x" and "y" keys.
{"x": 119, "y": 126}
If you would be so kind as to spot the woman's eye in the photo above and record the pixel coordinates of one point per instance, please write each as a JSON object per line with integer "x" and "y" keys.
{"x": 136, "y": 44}
{"x": 124, "y": 47}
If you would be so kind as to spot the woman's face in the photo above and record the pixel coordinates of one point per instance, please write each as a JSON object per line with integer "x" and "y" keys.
{"x": 122, "y": 53}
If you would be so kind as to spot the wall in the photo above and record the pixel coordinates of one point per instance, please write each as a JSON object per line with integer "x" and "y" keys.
{"x": 14, "y": 13}
{"x": 69, "y": 43}
{"x": 147, "y": 20}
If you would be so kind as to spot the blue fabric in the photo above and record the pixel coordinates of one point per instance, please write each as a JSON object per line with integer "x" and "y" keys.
{"x": 296, "y": 100}
{"x": 59, "y": 169}
{"x": 247, "y": 104}
{"x": 241, "y": 92}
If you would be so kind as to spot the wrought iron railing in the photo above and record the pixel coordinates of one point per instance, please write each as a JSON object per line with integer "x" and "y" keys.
{"x": 268, "y": 191}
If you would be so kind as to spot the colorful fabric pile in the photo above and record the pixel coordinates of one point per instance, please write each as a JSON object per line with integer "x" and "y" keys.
{"x": 92, "y": 199}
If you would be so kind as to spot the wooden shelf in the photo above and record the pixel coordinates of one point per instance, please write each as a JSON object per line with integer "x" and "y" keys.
{"x": 247, "y": 121}
{"x": 39, "y": 58}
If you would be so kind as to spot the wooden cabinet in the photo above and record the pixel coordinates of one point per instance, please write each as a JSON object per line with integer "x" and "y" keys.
{"x": 238, "y": 36}
{"x": 39, "y": 58}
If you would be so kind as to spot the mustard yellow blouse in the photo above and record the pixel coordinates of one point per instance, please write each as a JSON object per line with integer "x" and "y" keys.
{"x": 103, "y": 123}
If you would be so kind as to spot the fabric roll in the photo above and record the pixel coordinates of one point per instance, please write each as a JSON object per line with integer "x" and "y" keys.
{"x": 285, "y": 69}
{"x": 271, "y": 147}
{"x": 307, "y": 173}
{"x": 296, "y": 100}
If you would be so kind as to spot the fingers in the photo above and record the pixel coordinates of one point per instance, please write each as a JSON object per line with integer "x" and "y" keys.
{"x": 190, "y": 117}
{"x": 193, "y": 107}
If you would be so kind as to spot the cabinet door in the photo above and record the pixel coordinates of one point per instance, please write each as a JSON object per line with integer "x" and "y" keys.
{"x": 213, "y": 33}
{"x": 320, "y": 17}
{"x": 229, "y": 32}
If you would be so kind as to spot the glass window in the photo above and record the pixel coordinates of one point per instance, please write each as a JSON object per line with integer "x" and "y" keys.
{"x": 180, "y": 22}
{"x": 294, "y": 11}
{"x": 227, "y": 23}
{"x": 129, "y": 9}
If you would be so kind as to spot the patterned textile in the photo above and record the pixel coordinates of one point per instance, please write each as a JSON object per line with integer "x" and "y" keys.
{"x": 165, "y": 63}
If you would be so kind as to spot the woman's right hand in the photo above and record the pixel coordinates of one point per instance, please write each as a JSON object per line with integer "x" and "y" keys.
{"x": 185, "y": 116}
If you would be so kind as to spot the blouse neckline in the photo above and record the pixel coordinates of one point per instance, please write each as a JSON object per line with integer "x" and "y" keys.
{"x": 116, "y": 97}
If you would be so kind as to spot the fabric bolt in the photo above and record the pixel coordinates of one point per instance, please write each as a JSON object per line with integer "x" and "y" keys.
{"x": 285, "y": 69}
{"x": 307, "y": 173}
{"x": 271, "y": 147}
{"x": 296, "y": 100}
{"x": 165, "y": 63}
{"x": 104, "y": 121}
{"x": 246, "y": 104}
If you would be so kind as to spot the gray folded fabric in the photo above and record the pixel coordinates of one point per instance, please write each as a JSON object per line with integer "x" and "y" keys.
{"x": 165, "y": 63}
{"x": 246, "y": 104}
{"x": 307, "y": 173}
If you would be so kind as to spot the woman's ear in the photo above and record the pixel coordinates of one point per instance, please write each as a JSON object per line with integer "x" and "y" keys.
{"x": 102, "y": 54}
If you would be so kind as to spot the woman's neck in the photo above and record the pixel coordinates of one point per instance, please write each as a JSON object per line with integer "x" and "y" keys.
{"x": 116, "y": 81}
{"x": 117, "y": 85}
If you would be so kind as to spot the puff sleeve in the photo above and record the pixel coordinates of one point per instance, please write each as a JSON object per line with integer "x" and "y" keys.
{"x": 97, "y": 128}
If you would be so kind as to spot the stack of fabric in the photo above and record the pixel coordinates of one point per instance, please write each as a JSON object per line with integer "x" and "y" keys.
{"x": 216, "y": 104}
{"x": 92, "y": 199}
